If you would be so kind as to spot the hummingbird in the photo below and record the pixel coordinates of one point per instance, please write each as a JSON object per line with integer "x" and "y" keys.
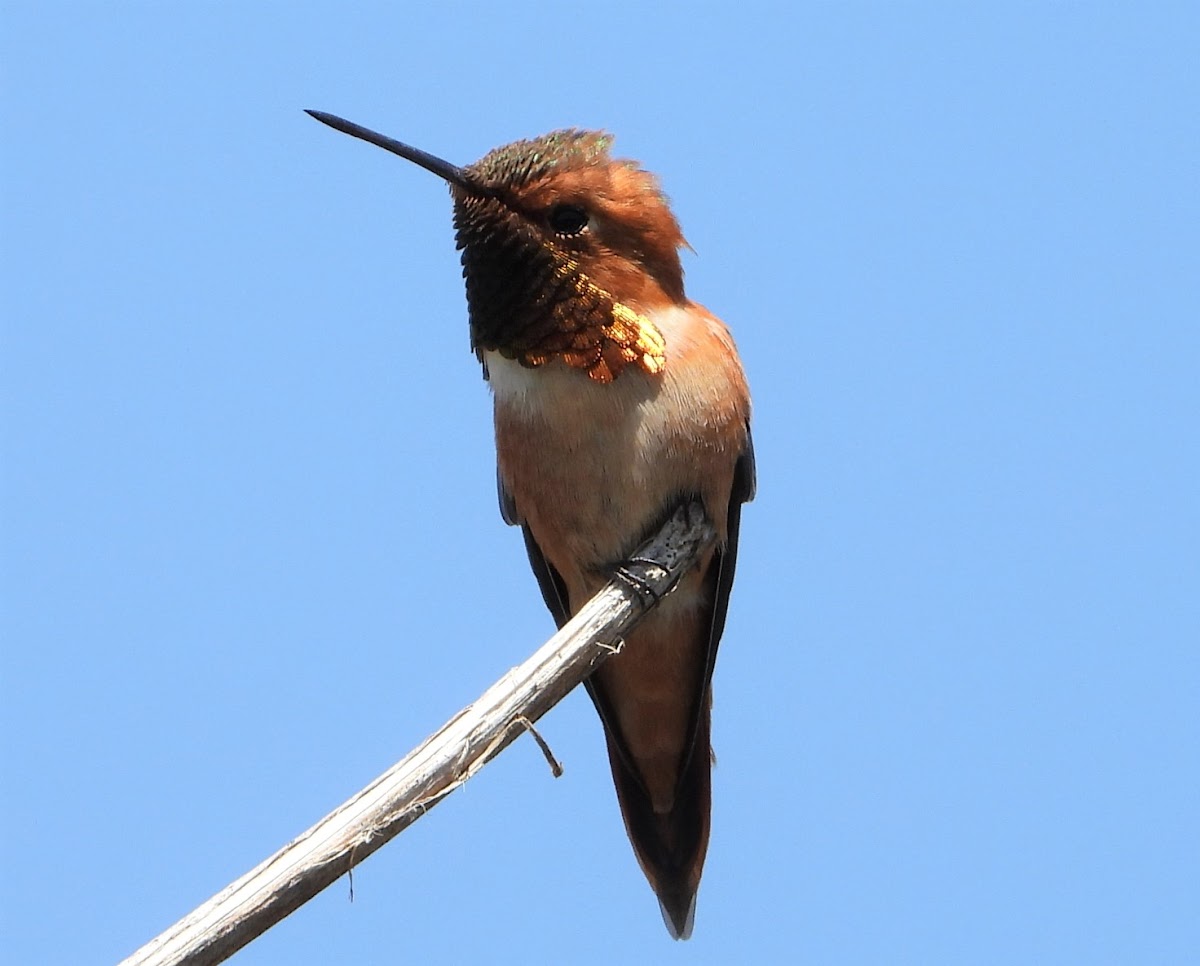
{"x": 615, "y": 399}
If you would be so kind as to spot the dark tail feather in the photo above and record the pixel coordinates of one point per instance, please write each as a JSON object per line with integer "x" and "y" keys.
{"x": 671, "y": 847}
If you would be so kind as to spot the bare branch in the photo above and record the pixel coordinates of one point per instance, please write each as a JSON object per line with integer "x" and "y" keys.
{"x": 444, "y": 761}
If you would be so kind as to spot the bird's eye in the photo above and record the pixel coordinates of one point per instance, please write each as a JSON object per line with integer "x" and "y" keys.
{"x": 568, "y": 219}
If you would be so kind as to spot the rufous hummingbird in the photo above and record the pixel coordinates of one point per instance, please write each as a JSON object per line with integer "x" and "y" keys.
{"x": 616, "y": 398}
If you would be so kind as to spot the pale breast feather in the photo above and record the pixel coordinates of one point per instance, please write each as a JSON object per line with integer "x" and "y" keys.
{"x": 622, "y": 450}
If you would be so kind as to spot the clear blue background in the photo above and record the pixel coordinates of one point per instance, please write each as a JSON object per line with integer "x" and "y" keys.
{"x": 251, "y": 552}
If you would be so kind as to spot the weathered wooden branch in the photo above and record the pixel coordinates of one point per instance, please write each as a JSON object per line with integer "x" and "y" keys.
{"x": 297, "y": 872}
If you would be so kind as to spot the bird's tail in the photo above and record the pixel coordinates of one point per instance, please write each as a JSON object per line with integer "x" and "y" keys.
{"x": 670, "y": 846}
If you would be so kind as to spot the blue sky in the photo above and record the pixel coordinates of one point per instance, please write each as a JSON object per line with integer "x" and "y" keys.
{"x": 251, "y": 553}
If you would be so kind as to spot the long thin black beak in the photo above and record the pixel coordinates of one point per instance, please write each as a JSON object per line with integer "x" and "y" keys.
{"x": 443, "y": 169}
